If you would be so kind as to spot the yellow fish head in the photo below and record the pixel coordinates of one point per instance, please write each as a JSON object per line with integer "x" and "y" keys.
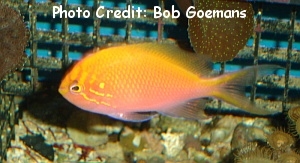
{"x": 71, "y": 85}
{"x": 72, "y": 89}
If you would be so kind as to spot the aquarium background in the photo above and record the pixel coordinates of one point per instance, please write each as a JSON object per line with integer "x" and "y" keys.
{"x": 33, "y": 112}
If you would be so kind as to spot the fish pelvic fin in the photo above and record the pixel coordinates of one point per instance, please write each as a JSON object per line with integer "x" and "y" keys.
{"x": 231, "y": 87}
{"x": 133, "y": 116}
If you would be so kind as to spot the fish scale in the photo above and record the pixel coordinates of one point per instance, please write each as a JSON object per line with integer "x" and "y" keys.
{"x": 140, "y": 84}
{"x": 129, "y": 81}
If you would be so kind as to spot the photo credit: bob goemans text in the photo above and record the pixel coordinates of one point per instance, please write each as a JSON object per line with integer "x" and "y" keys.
{"x": 137, "y": 12}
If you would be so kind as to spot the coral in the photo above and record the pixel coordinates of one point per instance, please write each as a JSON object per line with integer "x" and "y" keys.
{"x": 131, "y": 141}
{"x": 153, "y": 143}
{"x": 279, "y": 140}
{"x": 112, "y": 151}
{"x": 294, "y": 113}
{"x": 249, "y": 147}
{"x": 224, "y": 128}
{"x": 294, "y": 123}
{"x": 136, "y": 141}
{"x": 244, "y": 134}
{"x": 179, "y": 125}
{"x": 19, "y": 152}
{"x": 192, "y": 142}
{"x": 220, "y": 38}
{"x": 173, "y": 143}
{"x": 280, "y": 151}
{"x": 297, "y": 126}
{"x": 289, "y": 157}
{"x": 253, "y": 154}
{"x": 148, "y": 157}
{"x": 89, "y": 129}
{"x": 13, "y": 41}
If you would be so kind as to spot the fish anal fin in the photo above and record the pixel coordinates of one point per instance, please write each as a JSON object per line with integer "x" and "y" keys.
{"x": 133, "y": 116}
{"x": 193, "y": 109}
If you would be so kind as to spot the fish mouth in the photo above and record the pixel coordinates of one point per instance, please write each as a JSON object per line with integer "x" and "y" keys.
{"x": 63, "y": 90}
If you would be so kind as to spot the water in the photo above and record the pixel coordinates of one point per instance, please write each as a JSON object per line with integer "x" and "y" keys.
{"x": 49, "y": 129}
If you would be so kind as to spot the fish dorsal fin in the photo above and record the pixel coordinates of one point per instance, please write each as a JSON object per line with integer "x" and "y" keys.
{"x": 193, "y": 109}
{"x": 198, "y": 64}
{"x": 106, "y": 46}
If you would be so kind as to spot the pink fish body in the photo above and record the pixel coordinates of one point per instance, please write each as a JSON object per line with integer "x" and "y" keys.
{"x": 131, "y": 82}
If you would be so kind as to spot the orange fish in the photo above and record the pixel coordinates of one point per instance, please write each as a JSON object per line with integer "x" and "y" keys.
{"x": 131, "y": 82}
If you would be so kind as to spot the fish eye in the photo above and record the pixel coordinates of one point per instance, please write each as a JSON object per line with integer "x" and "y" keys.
{"x": 76, "y": 88}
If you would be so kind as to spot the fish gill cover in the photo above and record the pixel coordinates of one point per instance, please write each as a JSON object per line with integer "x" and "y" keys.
{"x": 13, "y": 40}
{"x": 220, "y": 38}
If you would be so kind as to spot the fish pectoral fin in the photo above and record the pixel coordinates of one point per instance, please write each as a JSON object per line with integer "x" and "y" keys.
{"x": 193, "y": 109}
{"x": 133, "y": 116}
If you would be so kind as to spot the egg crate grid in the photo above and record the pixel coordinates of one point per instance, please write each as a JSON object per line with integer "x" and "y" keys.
{"x": 66, "y": 42}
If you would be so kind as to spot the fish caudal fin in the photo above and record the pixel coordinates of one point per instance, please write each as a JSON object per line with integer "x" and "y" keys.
{"x": 232, "y": 87}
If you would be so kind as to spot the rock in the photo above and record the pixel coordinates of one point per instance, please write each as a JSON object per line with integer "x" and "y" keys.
{"x": 79, "y": 129}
